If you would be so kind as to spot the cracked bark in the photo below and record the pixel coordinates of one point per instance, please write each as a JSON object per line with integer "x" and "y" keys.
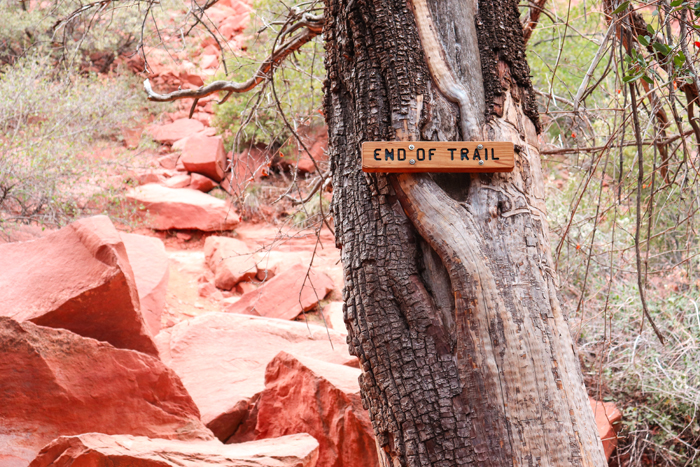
{"x": 450, "y": 297}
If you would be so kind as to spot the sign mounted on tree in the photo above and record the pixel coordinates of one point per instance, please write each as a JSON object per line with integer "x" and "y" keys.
{"x": 437, "y": 156}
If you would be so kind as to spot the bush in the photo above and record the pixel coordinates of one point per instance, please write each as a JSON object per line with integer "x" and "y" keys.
{"x": 51, "y": 121}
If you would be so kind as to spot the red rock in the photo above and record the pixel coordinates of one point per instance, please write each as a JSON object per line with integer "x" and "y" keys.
{"x": 205, "y": 155}
{"x": 316, "y": 141}
{"x": 208, "y": 290}
{"x": 183, "y": 208}
{"x": 230, "y": 260}
{"x": 192, "y": 79}
{"x": 150, "y": 177}
{"x": 132, "y": 137}
{"x": 78, "y": 278}
{"x": 178, "y": 181}
{"x": 99, "y": 450}
{"x": 180, "y": 144}
{"x": 149, "y": 261}
{"x": 209, "y": 62}
{"x": 234, "y": 24}
{"x": 250, "y": 165}
{"x": 274, "y": 262}
{"x": 169, "y": 161}
{"x": 219, "y": 12}
{"x": 221, "y": 359}
{"x": 201, "y": 183}
{"x": 54, "y": 382}
{"x": 245, "y": 287}
{"x": 333, "y": 314}
{"x": 168, "y": 134}
{"x": 607, "y": 418}
{"x": 304, "y": 395}
{"x": 240, "y": 6}
{"x": 280, "y": 296}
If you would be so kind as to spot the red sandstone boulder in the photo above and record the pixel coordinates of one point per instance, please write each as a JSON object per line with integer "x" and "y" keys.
{"x": 183, "y": 208}
{"x": 230, "y": 260}
{"x": 149, "y": 261}
{"x": 178, "y": 181}
{"x": 54, "y": 382}
{"x": 221, "y": 359}
{"x": 205, "y": 155}
{"x": 607, "y": 418}
{"x": 169, "y": 161}
{"x": 99, "y": 450}
{"x": 201, "y": 183}
{"x": 304, "y": 395}
{"x": 78, "y": 278}
{"x": 168, "y": 134}
{"x": 286, "y": 295}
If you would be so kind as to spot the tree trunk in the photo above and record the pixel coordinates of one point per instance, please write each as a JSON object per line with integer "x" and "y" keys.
{"x": 450, "y": 294}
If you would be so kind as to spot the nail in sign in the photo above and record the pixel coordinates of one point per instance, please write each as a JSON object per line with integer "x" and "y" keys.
{"x": 437, "y": 156}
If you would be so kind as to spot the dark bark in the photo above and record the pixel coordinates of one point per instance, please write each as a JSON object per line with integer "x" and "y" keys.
{"x": 450, "y": 300}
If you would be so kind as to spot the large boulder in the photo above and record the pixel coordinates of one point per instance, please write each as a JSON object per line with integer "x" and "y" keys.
{"x": 182, "y": 128}
{"x": 286, "y": 295}
{"x": 607, "y": 419}
{"x": 54, "y": 382}
{"x": 205, "y": 155}
{"x": 149, "y": 261}
{"x": 183, "y": 208}
{"x": 78, "y": 278}
{"x": 305, "y": 395}
{"x": 99, "y": 450}
{"x": 221, "y": 359}
{"x": 230, "y": 260}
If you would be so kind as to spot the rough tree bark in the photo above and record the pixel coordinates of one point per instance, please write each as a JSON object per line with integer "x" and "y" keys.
{"x": 450, "y": 295}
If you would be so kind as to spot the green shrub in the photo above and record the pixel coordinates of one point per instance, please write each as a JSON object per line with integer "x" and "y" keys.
{"x": 51, "y": 122}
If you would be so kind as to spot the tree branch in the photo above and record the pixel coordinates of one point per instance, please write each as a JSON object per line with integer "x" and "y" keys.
{"x": 313, "y": 26}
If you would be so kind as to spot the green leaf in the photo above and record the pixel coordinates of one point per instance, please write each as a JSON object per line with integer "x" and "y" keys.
{"x": 679, "y": 59}
{"x": 650, "y": 28}
{"x": 647, "y": 79}
{"x": 676, "y": 3}
{"x": 663, "y": 48}
{"x": 644, "y": 40}
{"x": 623, "y": 6}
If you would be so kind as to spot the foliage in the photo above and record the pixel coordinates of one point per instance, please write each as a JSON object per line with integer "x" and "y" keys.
{"x": 249, "y": 119}
{"x": 593, "y": 197}
{"x": 51, "y": 121}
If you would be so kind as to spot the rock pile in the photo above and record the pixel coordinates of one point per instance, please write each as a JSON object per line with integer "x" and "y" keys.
{"x": 82, "y": 380}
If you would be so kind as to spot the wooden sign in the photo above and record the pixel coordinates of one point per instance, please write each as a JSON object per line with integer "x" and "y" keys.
{"x": 437, "y": 156}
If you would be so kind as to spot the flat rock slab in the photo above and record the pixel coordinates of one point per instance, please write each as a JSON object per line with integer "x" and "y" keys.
{"x": 78, "y": 278}
{"x": 183, "y": 208}
{"x": 99, "y": 450}
{"x": 56, "y": 383}
{"x": 221, "y": 359}
{"x": 182, "y": 128}
{"x": 305, "y": 395}
{"x": 149, "y": 261}
{"x": 286, "y": 295}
